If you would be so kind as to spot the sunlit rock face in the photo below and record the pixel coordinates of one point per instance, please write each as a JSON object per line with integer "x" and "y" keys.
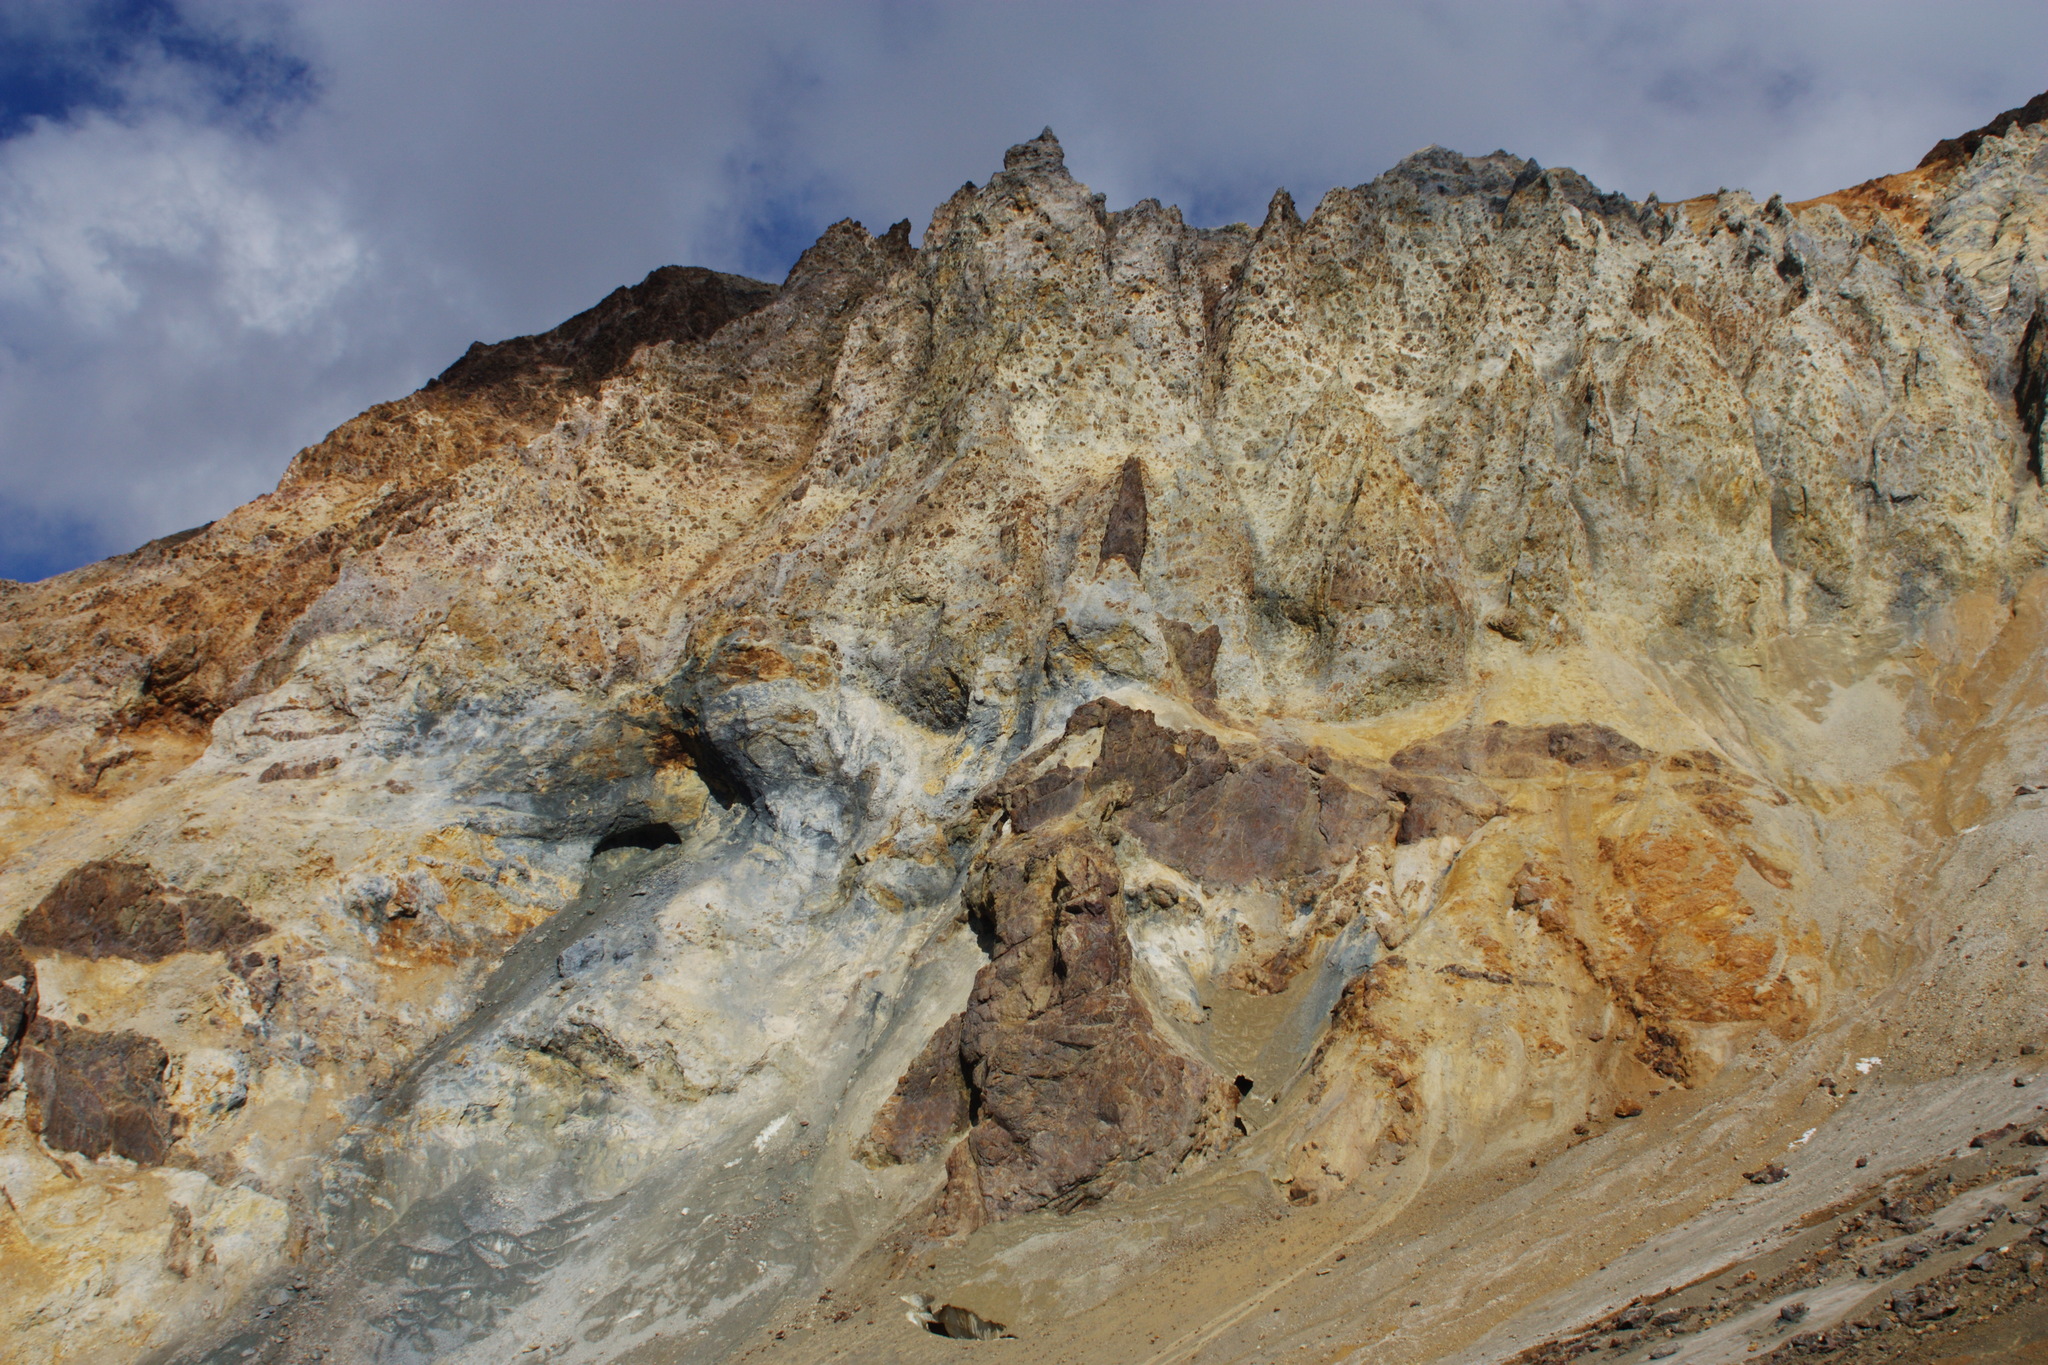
{"x": 763, "y": 787}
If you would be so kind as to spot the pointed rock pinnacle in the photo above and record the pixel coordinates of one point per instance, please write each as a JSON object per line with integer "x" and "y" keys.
{"x": 1040, "y": 155}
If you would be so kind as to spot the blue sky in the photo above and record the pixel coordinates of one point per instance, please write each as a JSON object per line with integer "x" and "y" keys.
{"x": 57, "y": 61}
{"x": 228, "y": 225}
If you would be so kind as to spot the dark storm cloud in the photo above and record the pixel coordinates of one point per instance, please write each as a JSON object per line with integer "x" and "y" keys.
{"x": 227, "y": 225}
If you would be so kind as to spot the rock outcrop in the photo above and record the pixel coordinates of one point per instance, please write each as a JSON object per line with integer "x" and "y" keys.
{"x": 991, "y": 753}
{"x": 105, "y": 909}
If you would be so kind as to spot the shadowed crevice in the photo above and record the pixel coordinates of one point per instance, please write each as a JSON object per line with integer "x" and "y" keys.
{"x": 656, "y": 834}
{"x": 2030, "y": 388}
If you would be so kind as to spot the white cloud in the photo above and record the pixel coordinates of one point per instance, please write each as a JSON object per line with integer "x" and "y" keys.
{"x": 93, "y": 214}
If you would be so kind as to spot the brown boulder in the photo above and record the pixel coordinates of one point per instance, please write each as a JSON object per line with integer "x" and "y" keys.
{"x": 1512, "y": 751}
{"x": 1233, "y": 816}
{"x": 1073, "y": 1090}
{"x": 17, "y": 1004}
{"x": 930, "y": 1103}
{"x": 109, "y": 909}
{"x": 1123, "y": 537}
{"x": 1435, "y": 805}
{"x": 95, "y": 1093}
{"x": 1032, "y": 802}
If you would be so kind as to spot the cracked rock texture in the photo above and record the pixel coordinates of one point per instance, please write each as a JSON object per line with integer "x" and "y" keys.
{"x": 996, "y": 751}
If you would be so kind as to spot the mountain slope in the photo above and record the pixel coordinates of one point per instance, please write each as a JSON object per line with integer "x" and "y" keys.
{"x": 1082, "y": 768}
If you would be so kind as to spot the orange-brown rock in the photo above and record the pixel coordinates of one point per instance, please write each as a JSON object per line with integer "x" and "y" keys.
{"x": 1073, "y": 1092}
{"x": 931, "y": 1103}
{"x": 98, "y": 1093}
{"x": 109, "y": 909}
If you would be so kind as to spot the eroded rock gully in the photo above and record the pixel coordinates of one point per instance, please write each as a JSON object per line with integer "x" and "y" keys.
{"x": 1327, "y": 786}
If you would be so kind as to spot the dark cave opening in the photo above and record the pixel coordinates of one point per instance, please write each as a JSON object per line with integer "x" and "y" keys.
{"x": 1244, "y": 1086}
{"x": 984, "y": 930}
{"x": 648, "y": 836}
{"x": 720, "y": 778}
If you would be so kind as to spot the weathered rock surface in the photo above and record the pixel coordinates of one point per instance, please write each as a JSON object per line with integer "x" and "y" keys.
{"x": 1074, "y": 1091}
{"x": 95, "y": 1093}
{"x": 106, "y": 909}
{"x": 994, "y": 752}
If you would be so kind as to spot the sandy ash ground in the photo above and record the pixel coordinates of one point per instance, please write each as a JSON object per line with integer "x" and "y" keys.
{"x": 1458, "y": 778}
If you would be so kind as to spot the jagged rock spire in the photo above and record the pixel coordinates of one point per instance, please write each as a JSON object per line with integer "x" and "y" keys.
{"x": 1041, "y": 155}
{"x": 1280, "y": 212}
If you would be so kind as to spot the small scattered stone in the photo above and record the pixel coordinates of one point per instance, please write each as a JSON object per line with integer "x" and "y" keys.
{"x": 1770, "y": 1174}
{"x": 1905, "y": 1258}
{"x": 1792, "y": 1312}
{"x": 1627, "y": 1109}
{"x": 951, "y": 1320}
{"x": 1988, "y": 1261}
{"x": 1861, "y": 1162}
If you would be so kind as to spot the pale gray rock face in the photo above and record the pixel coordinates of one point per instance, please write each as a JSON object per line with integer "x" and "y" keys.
{"x": 710, "y": 805}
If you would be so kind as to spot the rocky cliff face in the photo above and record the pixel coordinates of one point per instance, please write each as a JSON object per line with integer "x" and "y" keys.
{"x": 1031, "y": 765}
